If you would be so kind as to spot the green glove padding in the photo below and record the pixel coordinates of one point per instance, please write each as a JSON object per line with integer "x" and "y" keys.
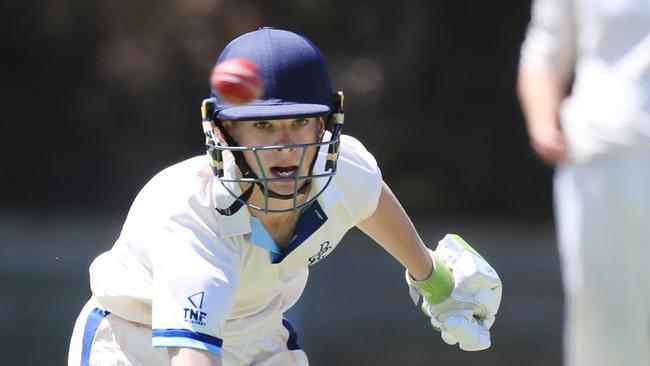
{"x": 438, "y": 286}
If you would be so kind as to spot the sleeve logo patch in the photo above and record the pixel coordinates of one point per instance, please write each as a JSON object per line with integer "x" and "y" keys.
{"x": 195, "y": 315}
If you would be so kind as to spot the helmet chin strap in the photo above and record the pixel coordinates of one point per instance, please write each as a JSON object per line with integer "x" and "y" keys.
{"x": 239, "y": 202}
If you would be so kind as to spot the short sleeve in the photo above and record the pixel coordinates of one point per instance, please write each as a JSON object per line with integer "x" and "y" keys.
{"x": 194, "y": 288}
{"x": 359, "y": 178}
{"x": 550, "y": 38}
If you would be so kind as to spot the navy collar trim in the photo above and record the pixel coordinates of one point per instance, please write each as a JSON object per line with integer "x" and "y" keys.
{"x": 312, "y": 219}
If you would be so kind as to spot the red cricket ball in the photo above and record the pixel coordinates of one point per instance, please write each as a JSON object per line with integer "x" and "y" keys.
{"x": 237, "y": 81}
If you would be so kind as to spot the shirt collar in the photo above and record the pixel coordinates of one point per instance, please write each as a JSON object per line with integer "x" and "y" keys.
{"x": 262, "y": 238}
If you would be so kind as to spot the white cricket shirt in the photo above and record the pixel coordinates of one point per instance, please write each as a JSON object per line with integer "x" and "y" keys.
{"x": 606, "y": 43}
{"x": 200, "y": 278}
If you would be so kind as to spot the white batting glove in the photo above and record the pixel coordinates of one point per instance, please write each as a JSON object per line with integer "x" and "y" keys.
{"x": 462, "y": 296}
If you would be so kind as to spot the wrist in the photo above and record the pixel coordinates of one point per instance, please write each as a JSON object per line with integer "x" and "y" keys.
{"x": 439, "y": 284}
{"x": 424, "y": 270}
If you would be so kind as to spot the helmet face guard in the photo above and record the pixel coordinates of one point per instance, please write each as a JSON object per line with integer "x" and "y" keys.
{"x": 301, "y": 183}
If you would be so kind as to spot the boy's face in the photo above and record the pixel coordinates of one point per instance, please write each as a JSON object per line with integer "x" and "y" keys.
{"x": 279, "y": 163}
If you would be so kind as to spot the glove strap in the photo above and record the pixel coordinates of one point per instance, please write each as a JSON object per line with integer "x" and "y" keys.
{"x": 434, "y": 289}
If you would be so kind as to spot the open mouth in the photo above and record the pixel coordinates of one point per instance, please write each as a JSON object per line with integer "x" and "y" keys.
{"x": 284, "y": 171}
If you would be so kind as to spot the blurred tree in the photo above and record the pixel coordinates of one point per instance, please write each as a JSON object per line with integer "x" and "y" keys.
{"x": 99, "y": 96}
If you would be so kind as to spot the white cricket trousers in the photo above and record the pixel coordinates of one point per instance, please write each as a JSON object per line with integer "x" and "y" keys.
{"x": 103, "y": 339}
{"x": 603, "y": 219}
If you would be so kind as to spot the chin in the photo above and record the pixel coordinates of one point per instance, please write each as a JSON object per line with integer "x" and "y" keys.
{"x": 282, "y": 188}
{"x": 285, "y": 188}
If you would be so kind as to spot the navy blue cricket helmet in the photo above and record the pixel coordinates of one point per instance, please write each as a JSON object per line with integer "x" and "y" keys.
{"x": 295, "y": 77}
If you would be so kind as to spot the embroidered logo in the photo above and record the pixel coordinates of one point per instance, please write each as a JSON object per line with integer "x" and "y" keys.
{"x": 196, "y": 316}
{"x": 322, "y": 253}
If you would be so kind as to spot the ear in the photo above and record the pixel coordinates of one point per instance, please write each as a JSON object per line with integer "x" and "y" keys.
{"x": 228, "y": 126}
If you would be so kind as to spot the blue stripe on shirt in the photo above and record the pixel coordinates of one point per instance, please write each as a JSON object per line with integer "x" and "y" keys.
{"x": 292, "y": 342}
{"x": 92, "y": 323}
{"x": 185, "y": 333}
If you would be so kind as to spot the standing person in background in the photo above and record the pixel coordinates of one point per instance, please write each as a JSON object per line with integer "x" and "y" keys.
{"x": 215, "y": 249}
{"x": 597, "y": 136}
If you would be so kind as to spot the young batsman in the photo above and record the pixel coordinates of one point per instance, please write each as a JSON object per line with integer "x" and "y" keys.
{"x": 214, "y": 250}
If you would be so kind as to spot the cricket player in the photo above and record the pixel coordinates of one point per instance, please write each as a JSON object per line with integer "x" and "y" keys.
{"x": 597, "y": 136}
{"x": 215, "y": 249}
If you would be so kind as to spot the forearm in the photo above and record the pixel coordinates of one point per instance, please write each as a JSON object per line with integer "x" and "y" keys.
{"x": 391, "y": 228}
{"x": 540, "y": 94}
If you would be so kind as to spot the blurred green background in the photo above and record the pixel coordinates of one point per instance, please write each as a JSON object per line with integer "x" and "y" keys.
{"x": 99, "y": 96}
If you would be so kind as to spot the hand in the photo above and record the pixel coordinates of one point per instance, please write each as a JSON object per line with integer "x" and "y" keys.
{"x": 548, "y": 142}
{"x": 461, "y": 327}
{"x": 462, "y": 297}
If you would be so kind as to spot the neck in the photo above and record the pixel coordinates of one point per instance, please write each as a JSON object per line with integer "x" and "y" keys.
{"x": 280, "y": 225}
{"x": 258, "y": 199}
{"x": 274, "y": 221}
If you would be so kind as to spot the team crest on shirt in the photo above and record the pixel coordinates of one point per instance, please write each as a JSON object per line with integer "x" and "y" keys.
{"x": 195, "y": 315}
{"x": 322, "y": 253}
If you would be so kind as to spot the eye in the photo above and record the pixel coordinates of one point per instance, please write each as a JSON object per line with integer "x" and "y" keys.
{"x": 262, "y": 124}
{"x": 300, "y": 122}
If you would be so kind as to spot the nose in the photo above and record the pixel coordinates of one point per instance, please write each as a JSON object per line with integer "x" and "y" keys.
{"x": 285, "y": 138}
